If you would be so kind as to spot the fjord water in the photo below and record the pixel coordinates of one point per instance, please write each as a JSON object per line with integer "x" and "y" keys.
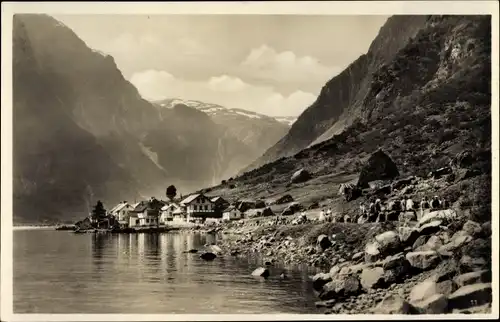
{"x": 62, "y": 272}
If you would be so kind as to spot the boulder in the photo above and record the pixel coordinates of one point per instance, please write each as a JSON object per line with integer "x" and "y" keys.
{"x": 324, "y": 242}
{"x": 216, "y": 249}
{"x": 260, "y": 204}
{"x": 284, "y": 199}
{"x": 208, "y": 256}
{"x": 261, "y": 272}
{"x": 470, "y": 296}
{"x": 446, "y": 287}
{"x": 393, "y": 304}
{"x": 314, "y": 205}
{"x": 353, "y": 269}
{"x": 423, "y": 260}
{"x": 470, "y": 264}
{"x": 483, "y": 276}
{"x": 291, "y": 209}
{"x": 389, "y": 243}
{"x": 267, "y": 212}
{"x": 401, "y": 183}
{"x": 421, "y": 240}
{"x": 486, "y": 229}
{"x": 458, "y": 240}
{"x": 434, "y": 304}
{"x": 438, "y": 173}
{"x": 342, "y": 286}
{"x": 430, "y": 227}
{"x": 446, "y": 216}
{"x": 472, "y": 228}
{"x": 358, "y": 256}
{"x": 301, "y": 175}
{"x": 320, "y": 279}
{"x": 372, "y": 252}
{"x": 192, "y": 251}
{"x": 378, "y": 167}
{"x": 334, "y": 271}
{"x": 408, "y": 235}
{"x": 422, "y": 291}
{"x": 434, "y": 243}
{"x": 372, "y": 278}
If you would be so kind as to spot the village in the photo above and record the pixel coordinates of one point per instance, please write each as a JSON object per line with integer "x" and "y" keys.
{"x": 195, "y": 209}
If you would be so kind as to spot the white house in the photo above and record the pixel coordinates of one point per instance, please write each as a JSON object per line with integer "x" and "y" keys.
{"x": 231, "y": 213}
{"x": 198, "y": 206}
{"x": 168, "y": 211}
{"x": 146, "y": 213}
{"x": 121, "y": 213}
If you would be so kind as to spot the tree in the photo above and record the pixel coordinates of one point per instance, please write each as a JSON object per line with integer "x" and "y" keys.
{"x": 171, "y": 192}
{"x": 98, "y": 213}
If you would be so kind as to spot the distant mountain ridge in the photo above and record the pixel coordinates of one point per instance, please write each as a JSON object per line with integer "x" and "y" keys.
{"x": 215, "y": 110}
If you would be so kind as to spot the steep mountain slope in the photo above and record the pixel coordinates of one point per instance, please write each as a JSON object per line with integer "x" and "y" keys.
{"x": 426, "y": 106}
{"x": 341, "y": 98}
{"x": 58, "y": 166}
{"x": 256, "y": 132}
{"x": 85, "y": 131}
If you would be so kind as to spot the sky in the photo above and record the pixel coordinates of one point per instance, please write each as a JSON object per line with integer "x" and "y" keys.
{"x": 270, "y": 64}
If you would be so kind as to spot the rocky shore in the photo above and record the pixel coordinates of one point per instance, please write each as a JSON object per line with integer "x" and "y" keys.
{"x": 440, "y": 264}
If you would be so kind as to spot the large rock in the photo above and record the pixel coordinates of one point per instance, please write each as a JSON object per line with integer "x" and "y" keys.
{"x": 423, "y": 260}
{"x": 431, "y": 227}
{"x": 301, "y": 175}
{"x": 324, "y": 242}
{"x": 434, "y": 304}
{"x": 446, "y": 216}
{"x": 472, "y": 228}
{"x": 208, "y": 256}
{"x": 470, "y": 296}
{"x": 401, "y": 183}
{"x": 458, "y": 240}
{"x": 284, "y": 199}
{"x": 261, "y": 272}
{"x": 372, "y": 278}
{"x": 434, "y": 243}
{"x": 267, "y": 212}
{"x": 470, "y": 264}
{"x": 393, "y": 304}
{"x": 372, "y": 252}
{"x": 291, "y": 209}
{"x": 378, "y": 167}
{"x": 423, "y": 290}
{"x": 342, "y": 286}
{"x": 408, "y": 235}
{"x": 483, "y": 276}
{"x": 389, "y": 243}
{"x": 320, "y": 279}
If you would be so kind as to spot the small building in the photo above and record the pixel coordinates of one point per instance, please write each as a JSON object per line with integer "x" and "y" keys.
{"x": 232, "y": 213}
{"x": 146, "y": 213}
{"x": 121, "y": 213}
{"x": 168, "y": 211}
{"x": 198, "y": 207}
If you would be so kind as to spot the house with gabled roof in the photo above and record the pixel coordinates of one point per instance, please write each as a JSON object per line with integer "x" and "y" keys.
{"x": 121, "y": 213}
{"x": 168, "y": 211}
{"x": 198, "y": 207}
{"x": 146, "y": 213}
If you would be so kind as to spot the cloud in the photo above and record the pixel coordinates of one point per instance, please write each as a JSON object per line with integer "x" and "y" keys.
{"x": 267, "y": 63}
{"x": 226, "y": 83}
{"x": 226, "y": 90}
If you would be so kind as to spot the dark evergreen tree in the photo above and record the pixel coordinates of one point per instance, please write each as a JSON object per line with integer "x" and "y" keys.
{"x": 98, "y": 213}
{"x": 171, "y": 192}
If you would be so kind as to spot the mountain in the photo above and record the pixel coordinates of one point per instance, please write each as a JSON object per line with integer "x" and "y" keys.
{"x": 426, "y": 103}
{"x": 256, "y": 132}
{"x": 341, "y": 98}
{"x": 82, "y": 132}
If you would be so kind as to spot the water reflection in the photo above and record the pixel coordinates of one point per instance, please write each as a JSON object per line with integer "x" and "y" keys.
{"x": 146, "y": 273}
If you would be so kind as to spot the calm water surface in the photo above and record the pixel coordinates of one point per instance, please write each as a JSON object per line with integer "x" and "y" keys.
{"x": 62, "y": 272}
